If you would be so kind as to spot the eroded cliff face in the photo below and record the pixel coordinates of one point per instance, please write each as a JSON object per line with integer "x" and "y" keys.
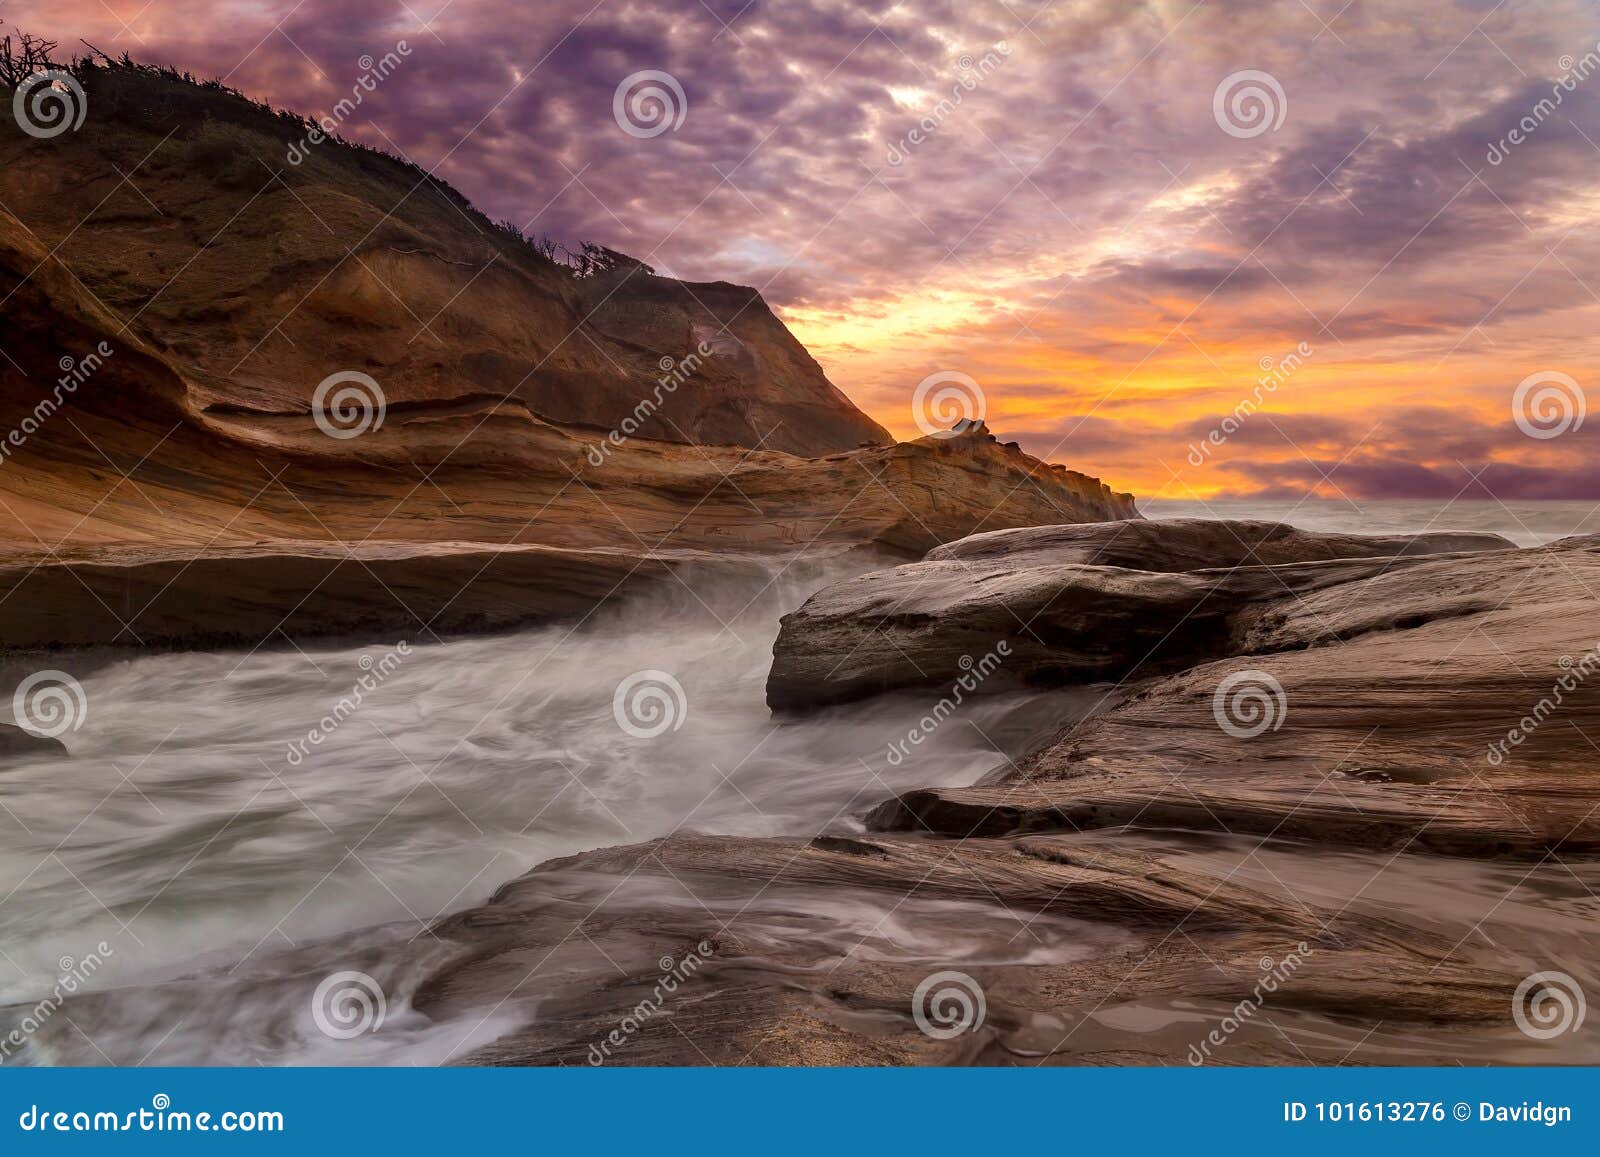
{"x": 161, "y": 364}
{"x": 258, "y": 279}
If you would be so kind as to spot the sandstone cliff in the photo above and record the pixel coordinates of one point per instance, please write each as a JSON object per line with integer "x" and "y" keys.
{"x": 258, "y": 278}
{"x": 165, "y": 476}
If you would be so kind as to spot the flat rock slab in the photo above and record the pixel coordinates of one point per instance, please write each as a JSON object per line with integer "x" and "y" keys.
{"x": 1084, "y": 953}
{"x": 1376, "y": 713}
{"x": 17, "y": 743}
{"x": 1069, "y": 604}
{"x": 1186, "y": 544}
{"x": 219, "y": 597}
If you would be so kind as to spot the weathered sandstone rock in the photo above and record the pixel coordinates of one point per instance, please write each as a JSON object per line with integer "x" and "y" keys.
{"x": 1085, "y": 953}
{"x": 1190, "y": 544}
{"x": 1450, "y": 705}
{"x": 14, "y": 741}
{"x": 1071, "y": 604}
{"x": 129, "y": 461}
{"x": 355, "y": 260}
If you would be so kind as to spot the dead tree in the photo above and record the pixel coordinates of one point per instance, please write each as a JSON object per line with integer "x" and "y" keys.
{"x": 20, "y": 60}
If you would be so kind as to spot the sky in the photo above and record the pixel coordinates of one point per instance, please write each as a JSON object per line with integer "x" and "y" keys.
{"x": 1328, "y": 248}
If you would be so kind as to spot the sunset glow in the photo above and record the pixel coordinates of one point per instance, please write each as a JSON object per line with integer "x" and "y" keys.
{"x": 1042, "y": 197}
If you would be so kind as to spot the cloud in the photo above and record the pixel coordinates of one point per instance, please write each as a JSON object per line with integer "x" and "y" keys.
{"x": 1071, "y": 227}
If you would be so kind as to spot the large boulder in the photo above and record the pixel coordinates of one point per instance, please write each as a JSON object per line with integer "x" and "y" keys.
{"x": 1451, "y": 706}
{"x": 1055, "y": 605}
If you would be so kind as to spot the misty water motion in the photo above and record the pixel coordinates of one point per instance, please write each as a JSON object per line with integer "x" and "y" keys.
{"x": 194, "y": 829}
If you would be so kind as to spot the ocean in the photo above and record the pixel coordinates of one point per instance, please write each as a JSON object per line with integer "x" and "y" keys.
{"x": 1524, "y": 523}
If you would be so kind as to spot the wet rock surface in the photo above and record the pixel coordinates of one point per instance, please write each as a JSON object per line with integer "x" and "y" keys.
{"x": 1322, "y": 864}
{"x": 1085, "y": 950}
{"x": 1072, "y": 604}
{"x": 15, "y": 742}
